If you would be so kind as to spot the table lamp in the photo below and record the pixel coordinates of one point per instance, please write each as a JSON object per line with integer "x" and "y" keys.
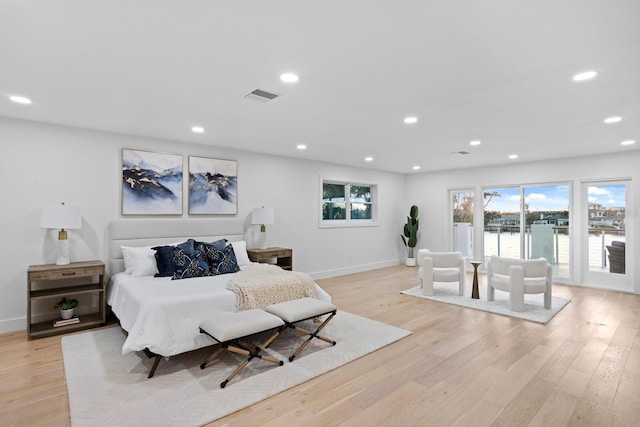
{"x": 63, "y": 217}
{"x": 263, "y": 217}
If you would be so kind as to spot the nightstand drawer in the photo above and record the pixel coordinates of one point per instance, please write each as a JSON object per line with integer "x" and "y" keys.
{"x": 283, "y": 256}
{"x": 65, "y": 273}
{"x": 37, "y": 273}
{"x": 276, "y": 253}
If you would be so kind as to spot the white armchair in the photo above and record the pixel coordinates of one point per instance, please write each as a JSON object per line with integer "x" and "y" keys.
{"x": 440, "y": 267}
{"x": 519, "y": 277}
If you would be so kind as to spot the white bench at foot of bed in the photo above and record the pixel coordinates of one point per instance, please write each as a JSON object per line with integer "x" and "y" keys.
{"x": 230, "y": 328}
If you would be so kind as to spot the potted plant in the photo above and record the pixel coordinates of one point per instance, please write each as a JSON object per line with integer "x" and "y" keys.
{"x": 410, "y": 235}
{"x": 66, "y": 307}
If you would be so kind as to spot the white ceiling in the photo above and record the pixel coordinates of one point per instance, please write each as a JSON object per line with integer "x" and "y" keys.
{"x": 495, "y": 70}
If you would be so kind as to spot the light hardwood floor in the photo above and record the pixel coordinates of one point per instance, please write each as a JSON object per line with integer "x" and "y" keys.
{"x": 460, "y": 367}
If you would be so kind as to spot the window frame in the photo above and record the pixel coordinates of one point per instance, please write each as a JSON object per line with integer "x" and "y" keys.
{"x": 348, "y": 221}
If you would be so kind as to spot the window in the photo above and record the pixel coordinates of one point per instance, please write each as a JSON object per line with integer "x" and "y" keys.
{"x": 606, "y": 226}
{"x": 529, "y": 221}
{"x": 346, "y": 203}
{"x": 462, "y": 205}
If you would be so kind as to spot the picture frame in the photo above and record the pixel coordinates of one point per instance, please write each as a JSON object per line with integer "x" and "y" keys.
{"x": 152, "y": 183}
{"x": 212, "y": 186}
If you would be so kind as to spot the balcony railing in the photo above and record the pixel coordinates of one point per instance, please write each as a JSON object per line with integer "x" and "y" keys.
{"x": 504, "y": 240}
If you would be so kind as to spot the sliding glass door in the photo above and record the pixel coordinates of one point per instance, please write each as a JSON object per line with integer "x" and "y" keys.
{"x": 607, "y": 233}
{"x": 502, "y": 222}
{"x": 529, "y": 222}
{"x": 547, "y": 230}
{"x": 462, "y": 205}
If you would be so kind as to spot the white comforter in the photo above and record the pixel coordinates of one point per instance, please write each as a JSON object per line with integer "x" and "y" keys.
{"x": 164, "y": 315}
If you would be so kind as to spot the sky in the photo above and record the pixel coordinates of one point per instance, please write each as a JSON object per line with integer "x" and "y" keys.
{"x": 607, "y": 195}
{"x": 553, "y": 197}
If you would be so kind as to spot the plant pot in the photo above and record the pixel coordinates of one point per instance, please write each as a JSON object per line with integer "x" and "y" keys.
{"x": 66, "y": 314}
{"x": 411, "y": 262}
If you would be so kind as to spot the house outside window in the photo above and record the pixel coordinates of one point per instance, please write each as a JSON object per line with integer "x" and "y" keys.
{"x": 347, "y": 204}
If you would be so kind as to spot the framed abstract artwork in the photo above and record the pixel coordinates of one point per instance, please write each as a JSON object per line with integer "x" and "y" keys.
{"x": 212, "y": 186}
{"x": 151, "y": 183}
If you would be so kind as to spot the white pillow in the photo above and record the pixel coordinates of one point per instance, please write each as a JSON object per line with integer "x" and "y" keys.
{"x": 240, "y": 249}
{"x": 139, "y": 261}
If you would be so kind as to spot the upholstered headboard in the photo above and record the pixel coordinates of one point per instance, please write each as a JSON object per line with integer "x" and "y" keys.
{"x": 146, "y": 232}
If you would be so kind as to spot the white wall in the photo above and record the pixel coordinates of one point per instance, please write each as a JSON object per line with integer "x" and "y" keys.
{"x": 430, "y": 192}
{"x": 43, "y": 164}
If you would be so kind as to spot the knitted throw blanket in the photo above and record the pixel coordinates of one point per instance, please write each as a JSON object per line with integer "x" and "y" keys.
{"x": 259, "y": 285}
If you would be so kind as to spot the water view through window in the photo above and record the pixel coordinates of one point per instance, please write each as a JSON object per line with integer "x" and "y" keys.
{"x": 606, "y": 227}
{"x": 535, "y": 221}
{"x": 529, "y": 222}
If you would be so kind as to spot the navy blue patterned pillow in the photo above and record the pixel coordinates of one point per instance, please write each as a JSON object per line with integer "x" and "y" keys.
{"x": 223, "y": 261}
{"x": 218, "y": 244}
{"x": 209, "y": 250}
{"x": 164, "y": 257}
{"x": 189, "y": 264}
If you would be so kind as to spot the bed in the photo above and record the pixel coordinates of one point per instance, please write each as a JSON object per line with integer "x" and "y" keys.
{"x": 162, "y": 316}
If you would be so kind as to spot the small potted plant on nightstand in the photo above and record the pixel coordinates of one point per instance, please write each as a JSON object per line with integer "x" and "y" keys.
{"x": 66, "y": 307}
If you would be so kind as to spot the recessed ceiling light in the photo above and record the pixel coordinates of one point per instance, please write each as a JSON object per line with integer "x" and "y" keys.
{"x": 20, "y": 99}
{"x": 586, "y": 75}
{"x": 628, "y": 142}
{"x": 410, "y": 120}
{"x": 614, "y": 119}
{"x": 416, "y": 168}
{"x": 513, "y": 156}
{"x": 197, "y": 129}
{"x": 368, "y": 159}
{"x": 476, "y": 142}
{"x": 301, "y": 147}
{"x": 289, "y": 77}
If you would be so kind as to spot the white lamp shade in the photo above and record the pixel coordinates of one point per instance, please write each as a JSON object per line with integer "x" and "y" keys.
{"x": 61, "y": 216}
{"x": 262, "y": 216}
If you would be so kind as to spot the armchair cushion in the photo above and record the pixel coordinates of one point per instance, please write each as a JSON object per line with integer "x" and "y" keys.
{"x": 532, "y": 285}
{"x": 446, "y": 274}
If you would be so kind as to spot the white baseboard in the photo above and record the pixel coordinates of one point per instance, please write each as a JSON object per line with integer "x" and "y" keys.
{"x": 354, "y": 269}
{"x": 13, "y": 325}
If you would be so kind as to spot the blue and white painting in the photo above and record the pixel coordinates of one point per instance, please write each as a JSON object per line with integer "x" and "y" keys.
{"x": 212, "y": 186}
{"x": 151, "y": 183}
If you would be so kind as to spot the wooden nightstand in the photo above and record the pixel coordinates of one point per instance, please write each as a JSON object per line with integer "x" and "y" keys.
{"x": 283, "y": 256}
{"x": 52, "y": 282}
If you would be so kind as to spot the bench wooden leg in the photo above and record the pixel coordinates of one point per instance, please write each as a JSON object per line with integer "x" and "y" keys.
{"x": 311, "y": 335}
{"x": 240, "y": 347}
{"x": 210, "y": 358}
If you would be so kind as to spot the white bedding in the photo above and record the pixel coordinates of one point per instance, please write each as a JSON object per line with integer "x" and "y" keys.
{"x": 164, "y": 315}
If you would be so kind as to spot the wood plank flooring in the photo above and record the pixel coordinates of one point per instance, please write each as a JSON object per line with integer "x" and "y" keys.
{"x": 460, "y": 367}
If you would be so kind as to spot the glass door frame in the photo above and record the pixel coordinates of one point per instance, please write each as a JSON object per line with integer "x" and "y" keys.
{"x": 605, "y": 279}
{"x": 478, "y": 221}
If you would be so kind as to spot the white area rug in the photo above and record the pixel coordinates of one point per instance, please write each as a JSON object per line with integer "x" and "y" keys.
{"x": 107, "y": 388}
{"x": 534, "y": 303}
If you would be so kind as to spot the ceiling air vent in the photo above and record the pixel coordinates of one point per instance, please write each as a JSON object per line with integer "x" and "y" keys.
{"x": 261, "y": 95}
{"x": 460, "y": 153}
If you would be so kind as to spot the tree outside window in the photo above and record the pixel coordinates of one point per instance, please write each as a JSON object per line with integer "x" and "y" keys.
{"x": 345, "y": 202}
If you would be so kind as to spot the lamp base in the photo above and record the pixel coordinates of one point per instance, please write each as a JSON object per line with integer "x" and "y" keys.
{"x": 262, "y": 240}
{"x": 63, "y": 252}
